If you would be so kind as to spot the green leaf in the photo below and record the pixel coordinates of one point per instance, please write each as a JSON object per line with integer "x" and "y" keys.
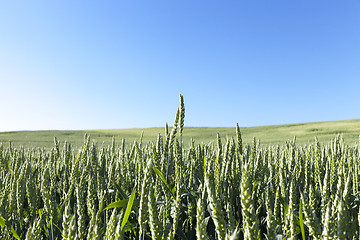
{"x": 301, "y": 220}
{"x": 130, "y": 227}
{"x": 121, "y": 203}
{"x": 40, "y": 211}
{"x": 128, "y": 209}
{"x": 14, "y": 233}
{"x": 102, "y": 203}
{"x": 173, "y": 191}
{"x": 121, "y": 191}
{"x": 2, "y": 221}
{"x": 161, "y": 176}
{"x": 205, "y": 163}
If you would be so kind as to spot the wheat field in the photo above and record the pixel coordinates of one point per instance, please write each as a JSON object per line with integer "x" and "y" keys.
{"x": 164, "y": 189}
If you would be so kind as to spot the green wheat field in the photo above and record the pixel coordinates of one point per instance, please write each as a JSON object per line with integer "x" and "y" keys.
{"x": 298, "y": 181}
{"x": 305, "y": 133}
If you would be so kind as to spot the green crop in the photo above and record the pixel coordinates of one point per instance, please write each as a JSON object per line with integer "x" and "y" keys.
{"x": 168, "y": 190}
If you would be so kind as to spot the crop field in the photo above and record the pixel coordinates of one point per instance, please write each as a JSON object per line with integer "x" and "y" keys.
{"x": 267, "y": 135}
{"x": 171, "y": 187}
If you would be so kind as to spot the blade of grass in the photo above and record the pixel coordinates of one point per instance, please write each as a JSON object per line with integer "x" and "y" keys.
{"x": 301, "y": 220}
{"x": 102, "y": 203}
{"x": 5, "y": 223}
{"x": 121, "y": 203}
{"x": 128, "y": 209}
{"x": 161, "y": 176}
{"x": 2, "y": 221}
{"x": 121, "y": 191}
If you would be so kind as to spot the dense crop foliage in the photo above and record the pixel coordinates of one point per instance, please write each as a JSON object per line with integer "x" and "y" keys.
{"x": 165, "y": 190}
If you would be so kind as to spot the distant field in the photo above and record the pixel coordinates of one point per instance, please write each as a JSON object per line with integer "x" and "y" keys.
{"x": 268, "y": 135}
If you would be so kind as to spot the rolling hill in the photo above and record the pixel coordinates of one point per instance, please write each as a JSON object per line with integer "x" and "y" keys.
{"x": 268, "y": 135}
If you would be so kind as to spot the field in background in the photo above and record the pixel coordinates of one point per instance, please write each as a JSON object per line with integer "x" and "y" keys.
{"x": 276, "y": 134}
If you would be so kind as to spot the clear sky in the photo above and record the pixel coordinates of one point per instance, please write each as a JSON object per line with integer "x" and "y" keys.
{"x": 122, "y": 64}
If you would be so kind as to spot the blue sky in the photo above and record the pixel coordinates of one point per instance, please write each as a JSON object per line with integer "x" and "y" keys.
{"x": 122, "y": 64}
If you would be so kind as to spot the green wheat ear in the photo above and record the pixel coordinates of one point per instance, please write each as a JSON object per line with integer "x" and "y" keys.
{"x": 174, "y": 130}
{"x": 201, "y": 232}
{"x": 250, "y": 221}
{"x": 182, "y": 115}
{"x": 154, "y": 222}
{"x": 216, "y": 208}
{"x": 239, "y": 139}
